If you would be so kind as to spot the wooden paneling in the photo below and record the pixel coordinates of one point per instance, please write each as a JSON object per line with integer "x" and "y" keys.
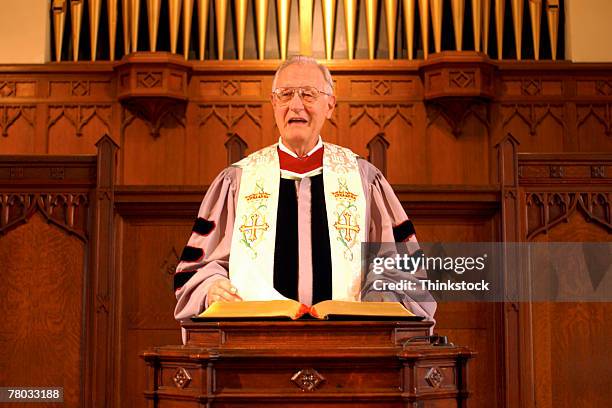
{"x": 567, "y": 329}
{"x": 150, "y": 250}
{"x": 45, "y": 208}
{"x": 453, "y": 163}
{"x": 40, "y": 341}
{"x": 566, "y": 198}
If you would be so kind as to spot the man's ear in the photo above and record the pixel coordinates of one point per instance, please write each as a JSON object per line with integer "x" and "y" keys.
{"x": 331, "y": 105}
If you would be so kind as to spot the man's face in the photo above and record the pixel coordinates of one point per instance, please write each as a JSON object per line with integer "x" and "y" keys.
{"x": 300, "y": 123}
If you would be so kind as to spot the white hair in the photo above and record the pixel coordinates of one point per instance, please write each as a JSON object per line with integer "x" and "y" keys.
{"x": 303, "y": 60}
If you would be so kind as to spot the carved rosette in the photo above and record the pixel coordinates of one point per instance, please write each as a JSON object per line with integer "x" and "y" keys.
{"x": 181, "y": 378}
{"x": 308, "y": 379}
{"x": 434, "y": 377}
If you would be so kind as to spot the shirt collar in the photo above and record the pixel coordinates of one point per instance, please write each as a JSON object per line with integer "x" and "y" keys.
{"x": 285, "y": 149}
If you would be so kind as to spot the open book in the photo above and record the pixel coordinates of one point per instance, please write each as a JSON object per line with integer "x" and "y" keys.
{"x": 271, "y": 309}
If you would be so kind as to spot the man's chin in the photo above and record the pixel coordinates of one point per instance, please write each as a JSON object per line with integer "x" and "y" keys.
{"x": 297, "y": 137}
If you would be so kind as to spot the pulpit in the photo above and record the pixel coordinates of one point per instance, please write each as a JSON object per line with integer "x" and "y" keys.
{"x": 307, "y": 363}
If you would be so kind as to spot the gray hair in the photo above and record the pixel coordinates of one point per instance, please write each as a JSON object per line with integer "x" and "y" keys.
{"x": 303, "y": 60}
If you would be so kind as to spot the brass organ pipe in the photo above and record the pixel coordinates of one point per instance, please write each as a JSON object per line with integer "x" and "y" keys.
{"x": 94, "y": 25}
{"x": 76, "y": 15}
{"x": 174, "y": 17}
{"x": 408, "y": 7}
{"x": 59, "y": 17}
{"x": 134, "y": 13}
{"x": 202, "y": 25}
{"x": 221, "y": 18}
{"x": 517, "y": 19}
{"x": 153, "y": 7}
{"x": 391, "y": 14}
{"x": 241, "y": 16}
{"x": 535, "y": 12}
{"x": 329, "y": 22}
{"x": 261, "y": 16}
{"x": 499, "y": 26}
{"x": 371, "y": 19}
{"x": 283, "y": 8}
{"x": 458, "y": 10}
{"x": 486, "y": 19}
{"x": 125, "y": 18}
{"x": 552, "y": 12}
{"x": 477, "y": 23}
{"x": 305, "y": 17}
{"x": 437, "y": 8}
{"x": 350, "y": 20}
{"x": 424, "y": 13}
{"x": 187, "y": 15}
{"x": 111, "y": 6}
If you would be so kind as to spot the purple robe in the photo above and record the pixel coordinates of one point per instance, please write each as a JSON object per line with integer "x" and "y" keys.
{"x": 387, "y": 221}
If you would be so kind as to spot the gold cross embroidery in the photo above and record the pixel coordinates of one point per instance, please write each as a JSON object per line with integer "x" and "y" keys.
{"x": 347, "y": 227}
{"x": 254, "y": 227}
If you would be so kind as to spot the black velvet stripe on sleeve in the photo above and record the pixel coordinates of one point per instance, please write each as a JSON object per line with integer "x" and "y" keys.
{"x": 181, "y": 278}
{"x": 286, "y": 250}
{"x": 203, "y": 226}
{"x": 321, "y": 252}
{"x": 418, "y": 254}
{"x": 403, "y": 231}
{"x": 191, "y": 254}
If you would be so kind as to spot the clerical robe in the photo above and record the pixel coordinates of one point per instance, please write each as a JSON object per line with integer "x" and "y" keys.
{"x": 302, "y": 269}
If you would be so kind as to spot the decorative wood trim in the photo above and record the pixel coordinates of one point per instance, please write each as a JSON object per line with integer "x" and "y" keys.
{"x": 376, "y": 113}
{"x": 236, "y": 148}
{"x": 235, "y": 112}
{"x": 307, "y": 379}
{"x": 68, "y": 211}
{"x": 7, "y": 119}
{"x": 101, "y": 311}
{"x": 545, "y": 210}
{"x": 604, "y": 117}
{"x": 377, "y": 152}
{"x": 57, "y": 187}
{"x": 533, "y": 119}
{"x": 556, "y": 170}
{"x": 80, "y": 118}
{"x": 456, "y": 111}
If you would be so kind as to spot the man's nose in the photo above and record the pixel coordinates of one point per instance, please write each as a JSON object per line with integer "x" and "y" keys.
{"x": 296, "y": 104}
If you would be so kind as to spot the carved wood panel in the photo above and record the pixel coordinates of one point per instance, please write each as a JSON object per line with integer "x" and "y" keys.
{"x": 575, "y": 329}
{"x": 567, "y": 199}
{"x": 18, "y": 126}
{"x": 42, "y": 263}
{"x": 74, "y": 129}
{"x": 381, "y": 114}
{"x": 151, "y": 250}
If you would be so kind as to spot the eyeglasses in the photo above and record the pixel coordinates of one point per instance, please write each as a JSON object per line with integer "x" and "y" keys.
{"x": 307, "y": 94}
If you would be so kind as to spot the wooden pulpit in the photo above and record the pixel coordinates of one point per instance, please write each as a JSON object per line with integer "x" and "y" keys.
{"x": 307, "y": 363}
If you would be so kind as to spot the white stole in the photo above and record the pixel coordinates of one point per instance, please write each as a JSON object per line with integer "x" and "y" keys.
{"x": 251, "y": 266}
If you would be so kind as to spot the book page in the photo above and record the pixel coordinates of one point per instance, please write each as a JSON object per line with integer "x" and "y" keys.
{"x": 336, "y": 307}
{"x": 270, "y": 308}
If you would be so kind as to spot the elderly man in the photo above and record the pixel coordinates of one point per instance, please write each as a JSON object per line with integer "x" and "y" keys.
{"x": 288, "y": 221}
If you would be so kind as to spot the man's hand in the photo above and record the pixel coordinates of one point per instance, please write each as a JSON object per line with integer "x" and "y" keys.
{"x": 222, "y": 290}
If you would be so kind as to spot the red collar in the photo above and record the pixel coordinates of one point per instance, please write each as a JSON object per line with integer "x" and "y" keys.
{"x": 300, "y": 165}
